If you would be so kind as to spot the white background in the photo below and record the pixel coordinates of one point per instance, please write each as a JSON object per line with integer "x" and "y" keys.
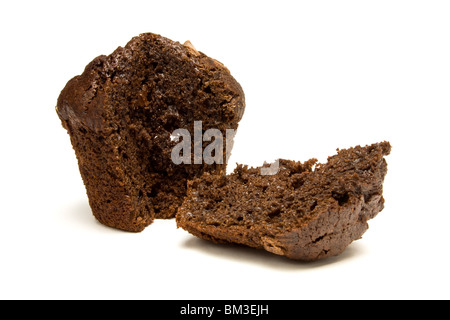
{"x": 318, "y": 75}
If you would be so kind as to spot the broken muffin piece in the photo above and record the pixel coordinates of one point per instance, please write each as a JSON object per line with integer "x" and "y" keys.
{"x": 120, "y": 114}
{"x": 307, "y": 211}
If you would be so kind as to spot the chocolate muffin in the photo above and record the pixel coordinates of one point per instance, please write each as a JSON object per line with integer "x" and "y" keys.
{"x": 120, "y": 114}
{"x": 306, "y": 211}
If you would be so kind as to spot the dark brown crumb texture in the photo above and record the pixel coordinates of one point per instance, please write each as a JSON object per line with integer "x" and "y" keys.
{"x": 120, "y": 114}
{"x": 307, "y": 211}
